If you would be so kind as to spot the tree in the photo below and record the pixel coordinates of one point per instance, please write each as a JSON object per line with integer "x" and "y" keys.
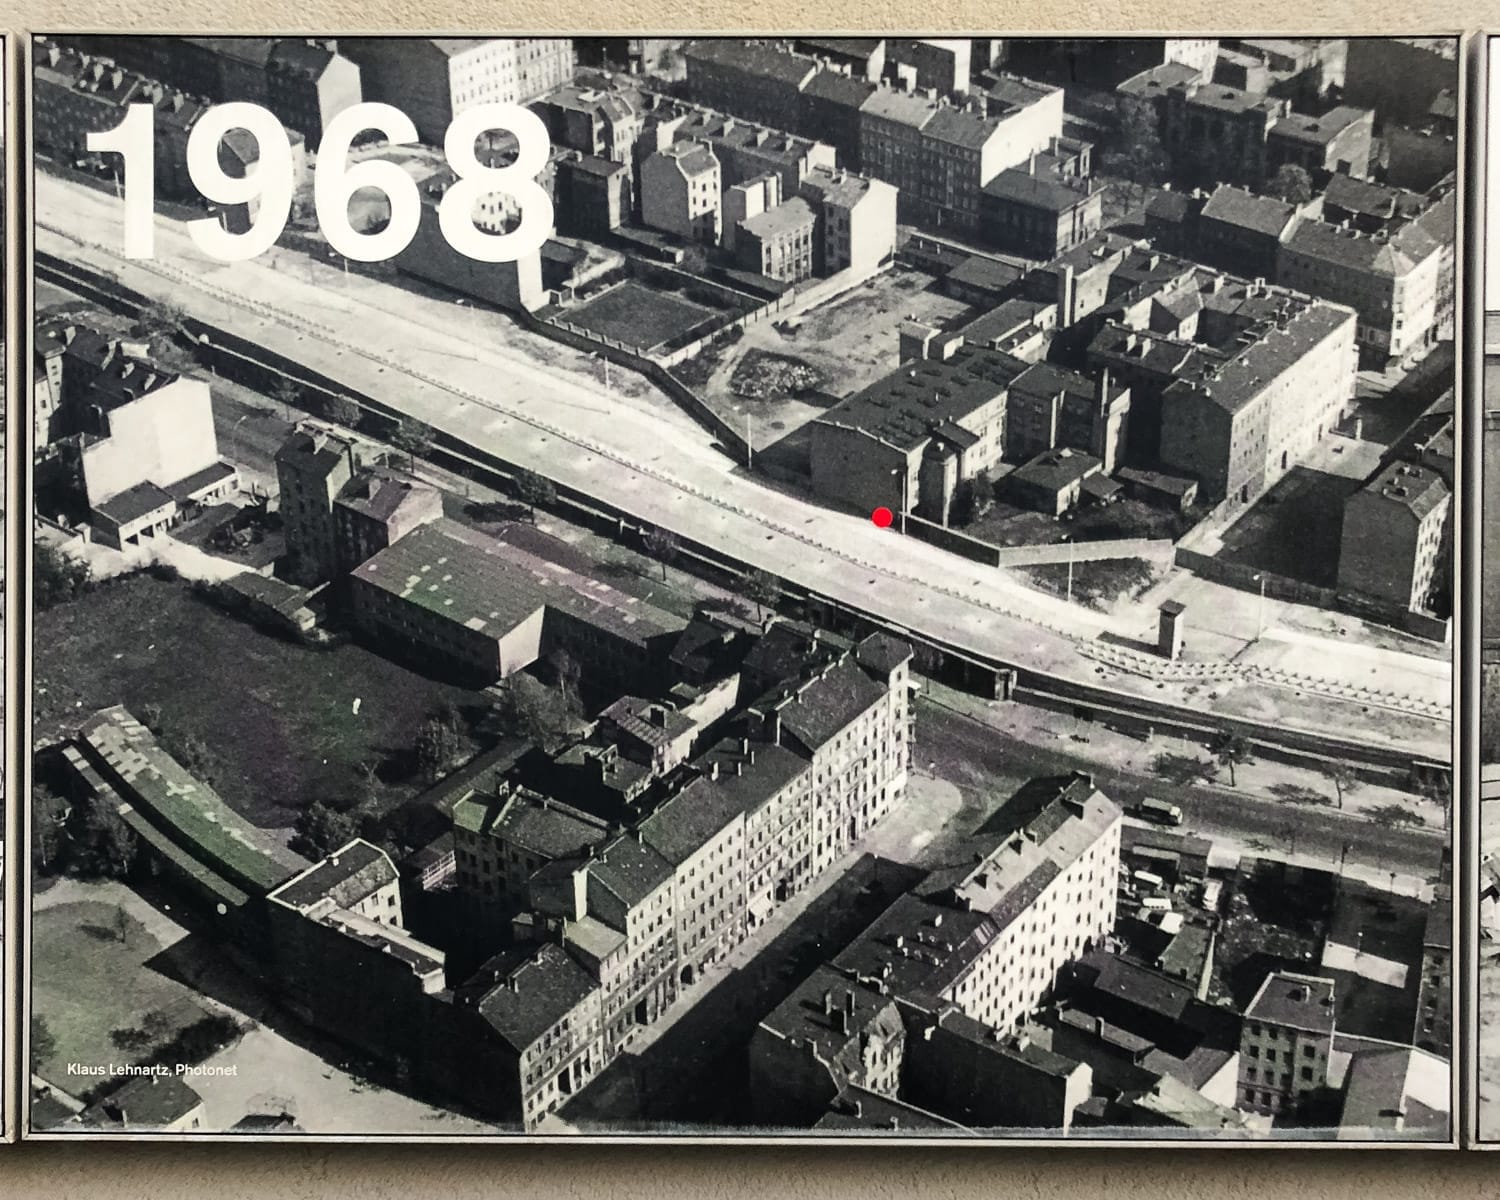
{"x": 1292, "y": 184}
{"x": 43, "y": 1044}
{"x": 163, "y": 327}
{"x": 1139, "y": 158}
{"x": 412, "y": 437}
{"x": 763, "y": 590}
{"x": 49, "y": 818}
{"x": 661, "y": 544}
{"x": 341, "y": 410}
{"x": 533, "y": 490}
{"x": 56, "y": 576}
{"x": 1229, "y": 749}
{"x": 321, "y": 829}
{"x": 1343, "y": 778}
{"x": 526, "y": 708}
{"x": 106, "y": 846}
{"x": 288, "y": 393}
{"x": 437, "y": 744}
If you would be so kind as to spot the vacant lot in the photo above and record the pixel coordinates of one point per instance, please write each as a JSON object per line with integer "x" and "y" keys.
{"x": 1294, "y": 529}
{"x": 1099, "y": 584}
{"x": 101, "y": 1002}
{"x": 279, "y": 720}
{"x": 1007, "y": 525}
{"x": 638, "y": 315}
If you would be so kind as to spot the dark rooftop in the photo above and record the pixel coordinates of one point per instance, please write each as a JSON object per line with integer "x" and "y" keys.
{"x": 906, "y": 407}
{"x": 346, "y": 877}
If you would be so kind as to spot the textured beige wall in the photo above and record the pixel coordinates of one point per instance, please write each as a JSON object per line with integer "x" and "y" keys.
{"x": 292, "y": 1172}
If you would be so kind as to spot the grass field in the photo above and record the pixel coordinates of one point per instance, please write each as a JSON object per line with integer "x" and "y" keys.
{"x": 89, "y": 983}
{"x": 638, "y": 315}
{"x": 278, "y": 719}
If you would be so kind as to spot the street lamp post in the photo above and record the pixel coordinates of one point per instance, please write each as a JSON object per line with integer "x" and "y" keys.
{"x": 234, "y": 431}
{"x": 1260, "y": 612}
{"x": 901, "y": 471}
{"x": 1068, "y": 537}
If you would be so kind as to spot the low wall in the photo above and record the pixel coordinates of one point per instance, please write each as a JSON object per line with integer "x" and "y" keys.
{"x": 1157, "y": 549}
{"x": 985, "y": 676}
{"x": 1248, "y": 579}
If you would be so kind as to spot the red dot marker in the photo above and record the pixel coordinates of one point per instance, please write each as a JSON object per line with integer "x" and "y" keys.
{"x": 882, "y": 517}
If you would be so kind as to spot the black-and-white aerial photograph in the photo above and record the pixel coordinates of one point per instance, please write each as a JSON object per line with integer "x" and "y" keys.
{"x": 807, "y": 587}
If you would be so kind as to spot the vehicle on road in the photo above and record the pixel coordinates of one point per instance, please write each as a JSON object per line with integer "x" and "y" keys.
{"x": 1159, "y": 811}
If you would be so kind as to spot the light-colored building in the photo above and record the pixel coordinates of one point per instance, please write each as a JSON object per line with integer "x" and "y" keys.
{"x": 680, "y": 192}
{"x": 748, "y": 199}
{"x": 856, "y": 220}
{"x": 1281, "y": 377}
{"x": 779, "y": 243}
{"x": 433, "y": 80}
{"x": 149, "y": 454}
{"x": 1392, "y": 537}
{"x": 1399, "y": 278}
{"x": 431, "y": 257}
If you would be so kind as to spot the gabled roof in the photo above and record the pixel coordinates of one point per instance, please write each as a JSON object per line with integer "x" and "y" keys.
{"x": 1262, "y": 214}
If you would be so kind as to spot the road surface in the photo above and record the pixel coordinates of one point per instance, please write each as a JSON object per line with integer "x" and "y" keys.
{"x": 477, "y": 378}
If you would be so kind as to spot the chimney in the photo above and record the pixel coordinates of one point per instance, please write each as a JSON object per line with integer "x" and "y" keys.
{"x": 739, "y": 767}
{"x": 713, "y": 770}
{"x": 828, "y": 1003}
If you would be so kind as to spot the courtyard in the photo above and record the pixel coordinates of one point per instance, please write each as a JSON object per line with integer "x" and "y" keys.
{"x": 638, "y": 315}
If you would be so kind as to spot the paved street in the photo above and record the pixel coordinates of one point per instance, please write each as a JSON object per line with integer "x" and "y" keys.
{"x": 474, "y": 376}
{"x": 989, "y": 764}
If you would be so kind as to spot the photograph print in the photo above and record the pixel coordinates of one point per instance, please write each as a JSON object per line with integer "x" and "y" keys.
{"x": 809, "y": 587}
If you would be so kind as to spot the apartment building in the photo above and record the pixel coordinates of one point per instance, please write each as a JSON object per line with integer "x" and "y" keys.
{"x": 681, "y": 188}
{"x": 1337, "y": 142}
{"x": 758, "y": 80}
{"x": 594, "y": 195}
{"x": 1399, "y": 278}
{"x": 1286, "y": 1043}
{"x": 312, "y": 466}
{"x": 1392, "y": 538}
{"x": 939, "y": 157}
{"x": 544, "y": 1008}
{"x": 907, "y": 441}
{"x": 1280, "y": 377}
{"x": 1046, "y": 204}
{"x": 1049, "y": 407}
{"x": 856, "y": 219}
{"x": 433, "y": 80}
{"x": 780, "y": 242}
{"x": 502, "y": 838}
{"x": 598, "y": 122}
{"x": 938, "y": 983}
